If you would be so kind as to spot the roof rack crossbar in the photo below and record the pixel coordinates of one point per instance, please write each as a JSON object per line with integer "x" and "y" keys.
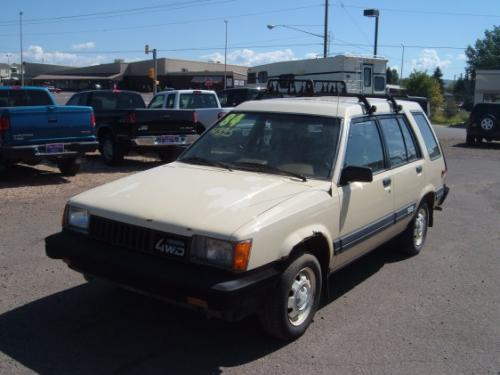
{"x": 305, "y": 87}
{"x": 395, "y": 106}
{"x": 370, "y": 109}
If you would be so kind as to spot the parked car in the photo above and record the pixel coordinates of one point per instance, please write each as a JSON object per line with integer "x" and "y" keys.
{"x": 204, "y": 102}
{"x": 263, "y": 207}
{"x": 34, "y": 129}
{"x": 236, "y": 96}
{"x": 484, "y": 123}
{"x": 124, "y": 124}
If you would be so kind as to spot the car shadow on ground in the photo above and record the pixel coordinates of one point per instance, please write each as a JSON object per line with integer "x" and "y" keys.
{"x": 97, "y": 329}
{"x": 23, "y": 175}
{"x": 481, "y": 145}
{"x": 93, "y": 163}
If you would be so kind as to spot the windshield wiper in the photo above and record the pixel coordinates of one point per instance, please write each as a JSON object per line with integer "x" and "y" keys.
{"x": 268, "y": 168}
{"x": 204, "y": 161}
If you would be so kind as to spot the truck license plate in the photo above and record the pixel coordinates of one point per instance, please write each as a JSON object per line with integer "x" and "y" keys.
{"x": 54, "y": 148}
{"x": 172, "y": 139}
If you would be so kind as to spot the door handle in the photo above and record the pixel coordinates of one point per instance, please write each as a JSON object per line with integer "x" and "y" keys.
{"x": 386, "y": 182}
{"x": 419, "y": 169}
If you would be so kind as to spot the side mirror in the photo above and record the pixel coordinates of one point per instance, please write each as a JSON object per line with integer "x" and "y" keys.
{"x": 355, "y": 174}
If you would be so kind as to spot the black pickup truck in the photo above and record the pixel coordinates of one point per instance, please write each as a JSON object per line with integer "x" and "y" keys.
{"x": 124, "y": 124}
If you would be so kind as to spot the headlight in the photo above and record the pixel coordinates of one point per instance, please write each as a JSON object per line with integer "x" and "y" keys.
{"x": 226, "y": 254}
{"x": 76, "y": 218}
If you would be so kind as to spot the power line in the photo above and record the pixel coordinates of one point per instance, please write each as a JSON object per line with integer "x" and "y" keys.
{"x": 126, "y": 28}
{"x": 413, "y": 11}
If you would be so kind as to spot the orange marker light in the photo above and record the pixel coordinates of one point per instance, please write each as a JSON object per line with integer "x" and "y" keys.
{"x": 241, "y": 255}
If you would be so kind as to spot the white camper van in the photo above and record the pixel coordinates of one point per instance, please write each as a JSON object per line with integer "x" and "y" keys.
{"x": 362, "y": 74}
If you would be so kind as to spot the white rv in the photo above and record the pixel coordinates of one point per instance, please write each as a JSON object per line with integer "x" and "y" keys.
{"x": 362, "y": 74}
{"x": 487, "y": 89}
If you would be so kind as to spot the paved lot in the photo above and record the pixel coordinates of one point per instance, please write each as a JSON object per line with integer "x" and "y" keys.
{"x": 437, "y": 313}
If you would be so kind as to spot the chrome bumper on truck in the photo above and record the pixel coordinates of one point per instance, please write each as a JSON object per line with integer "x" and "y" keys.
{"x": 52, "y": 151}
{"x": 217, "y": 292}
{"x": 164, "y": 140}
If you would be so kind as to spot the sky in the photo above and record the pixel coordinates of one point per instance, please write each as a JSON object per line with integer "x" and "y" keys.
{"x": 79, "y": 33}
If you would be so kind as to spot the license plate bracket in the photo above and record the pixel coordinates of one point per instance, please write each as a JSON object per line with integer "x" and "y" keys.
{"x": 54, "y": 148}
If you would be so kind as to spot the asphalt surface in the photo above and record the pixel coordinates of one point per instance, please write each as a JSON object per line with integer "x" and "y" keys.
{"x": 436, "y": 313}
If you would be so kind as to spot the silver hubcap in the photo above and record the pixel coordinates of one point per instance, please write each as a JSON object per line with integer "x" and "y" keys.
{"x": 487, "y": 124}
{"x": 107, "y": 149}
{"x": 420, "y": 227}
{"x": 301, "y": 296}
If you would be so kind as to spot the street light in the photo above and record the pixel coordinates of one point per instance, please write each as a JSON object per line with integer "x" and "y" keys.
{"x": 373, "y": 13}
{"x": 21, "y": 45}
{"x": 324, "y": 37}
{"x": 147, "y": 50}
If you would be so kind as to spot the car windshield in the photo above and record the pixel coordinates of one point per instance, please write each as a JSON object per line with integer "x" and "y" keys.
{"x": 197, "y": 100}
{"x": 296, "y": 145}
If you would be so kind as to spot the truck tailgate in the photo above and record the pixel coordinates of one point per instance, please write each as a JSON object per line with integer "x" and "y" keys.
{"x": 48, "y": 124}
{"x": 163, "y": 121}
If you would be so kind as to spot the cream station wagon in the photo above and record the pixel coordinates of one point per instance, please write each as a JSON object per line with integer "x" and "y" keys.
{"x": 263, "y": 207}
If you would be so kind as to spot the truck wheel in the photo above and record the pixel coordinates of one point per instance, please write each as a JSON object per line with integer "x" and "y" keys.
{"x": 69, "y": 167}
{"x": 110, "y": 150}
{"x": 168, "y": 156}
{"x": 412, "y": 240}
{"x": 291, "y": 307}
{"x": 487, "y": 123}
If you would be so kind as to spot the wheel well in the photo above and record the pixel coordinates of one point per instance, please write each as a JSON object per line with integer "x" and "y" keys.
{"x": 103, "y": 131}
{"x": 429, "y": 198}
{"x": 316, "y": 245}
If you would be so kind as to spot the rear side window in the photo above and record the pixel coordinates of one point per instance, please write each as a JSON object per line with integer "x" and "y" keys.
{"x": 412, "y": 149}
{"x": 364, "y": 146}
{"x": 394, "y": 141}
{"x": 429, "y": 139}
{"x": 73, "y": 100}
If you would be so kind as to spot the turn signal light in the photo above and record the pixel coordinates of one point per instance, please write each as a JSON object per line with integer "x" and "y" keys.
{"x": 241, "y": 255}
{"x": 4, "y": 123}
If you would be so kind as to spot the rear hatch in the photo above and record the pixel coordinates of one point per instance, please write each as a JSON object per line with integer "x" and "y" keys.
{"x": 161, "y": 121}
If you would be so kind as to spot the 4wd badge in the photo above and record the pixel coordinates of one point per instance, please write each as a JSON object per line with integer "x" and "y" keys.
{"x": 170, "y": 247}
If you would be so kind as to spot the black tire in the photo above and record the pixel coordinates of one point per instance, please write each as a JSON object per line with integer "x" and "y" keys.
{"x": 488, "y": 123}
{"x": 412, "y": 240}
{"x": 470, "y": 140}
{"x": 276, "y": 317}
{"x": 69, "y": 167}
{"x": 110, "y": 151}
{"x": 168, "y": 155}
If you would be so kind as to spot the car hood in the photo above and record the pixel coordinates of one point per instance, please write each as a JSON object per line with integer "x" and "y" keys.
{"x": 185, "y": 199}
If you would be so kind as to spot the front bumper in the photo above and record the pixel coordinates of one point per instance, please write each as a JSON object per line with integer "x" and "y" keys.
{"x": 33, "y": 153}
{"x": 220, "y": 293}
{"x": 164, "y": 140}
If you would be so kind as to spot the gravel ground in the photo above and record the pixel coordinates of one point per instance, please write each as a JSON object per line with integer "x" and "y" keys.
{"x": 437, "y": 313}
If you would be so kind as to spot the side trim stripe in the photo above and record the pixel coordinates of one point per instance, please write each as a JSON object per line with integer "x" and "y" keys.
{"x": 352, "y": 239}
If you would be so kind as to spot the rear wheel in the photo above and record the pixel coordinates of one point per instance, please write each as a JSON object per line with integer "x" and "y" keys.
{"x": 487, "y": 123}
{"x": 69, "y": 167}
{"x": 470, "y": 140}
{"x": 111, "y": 152}
{"x": 412, "y": 240}
{"x": 291, "y": 307}
{"x": 168, "y": 155}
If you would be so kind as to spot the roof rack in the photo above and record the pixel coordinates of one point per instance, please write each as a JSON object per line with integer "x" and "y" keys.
{"x": 309, "y": 87}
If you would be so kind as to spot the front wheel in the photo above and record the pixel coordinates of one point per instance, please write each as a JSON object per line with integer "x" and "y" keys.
{"x": 291, "y": 307}
{"x": 412, "y": 240}
{"x": 111, "y": 152}
{"x": 69, "y": 167}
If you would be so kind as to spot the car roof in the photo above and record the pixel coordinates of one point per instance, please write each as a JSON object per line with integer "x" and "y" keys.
{"x": 40, "y": 88}
{"x": 336, "y": 106}
{"x": 186, "y": 91}
{"x": 109, "y": 90}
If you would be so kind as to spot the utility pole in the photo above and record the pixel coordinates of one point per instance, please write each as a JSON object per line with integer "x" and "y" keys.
{"x": 225, "y": 58}
{"x": 325, "y": 41}
{"x": 21, "y": 45}
{"x": 402, "y": 62}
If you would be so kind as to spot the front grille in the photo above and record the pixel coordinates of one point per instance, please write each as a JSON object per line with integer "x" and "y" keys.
{"x": 133, "y": 237}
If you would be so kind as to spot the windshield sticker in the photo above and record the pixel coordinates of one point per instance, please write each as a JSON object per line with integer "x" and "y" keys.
{"x": 225, "y": 127}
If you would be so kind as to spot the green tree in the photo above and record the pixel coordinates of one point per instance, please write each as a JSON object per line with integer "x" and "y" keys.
{"x": 438, "y": 76}
{"x": 485, "y": 53}
{"x": 422, "y": 84}
{"x": 463, "y": 91}
{"x": 392, "y": 76}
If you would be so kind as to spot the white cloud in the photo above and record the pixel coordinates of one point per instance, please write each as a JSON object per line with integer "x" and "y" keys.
{"x": 249, "y": 57}
{"x": 461, "y": 56}
{"x": 80, "y": 46}
{"x": 428, "y": 61}
{"x": 37, "y": 54}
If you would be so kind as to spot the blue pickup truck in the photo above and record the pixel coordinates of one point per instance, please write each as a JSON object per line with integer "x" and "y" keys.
{"x": 34, "y": 129}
